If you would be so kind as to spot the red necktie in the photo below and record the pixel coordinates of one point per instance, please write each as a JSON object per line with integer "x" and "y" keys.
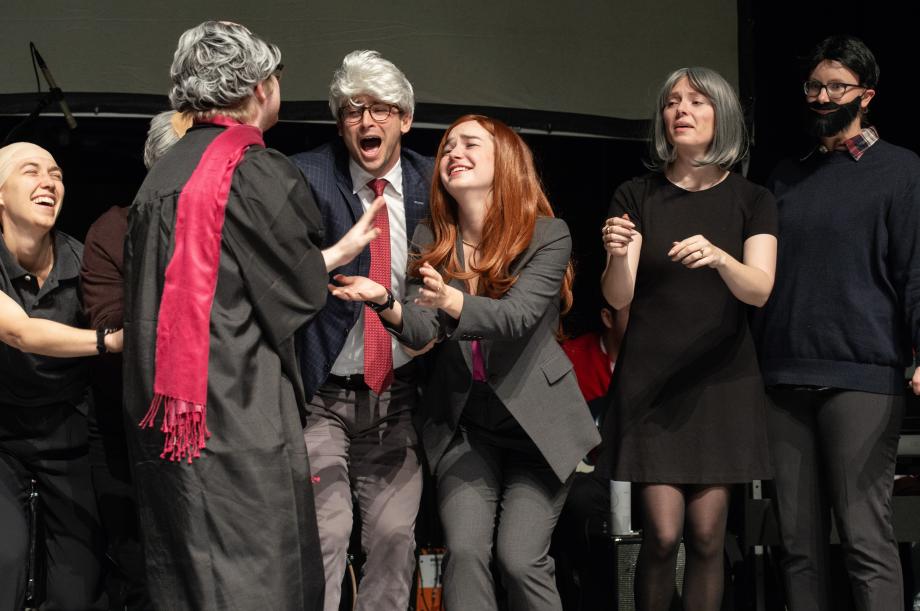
{"x": 378, "y": 352}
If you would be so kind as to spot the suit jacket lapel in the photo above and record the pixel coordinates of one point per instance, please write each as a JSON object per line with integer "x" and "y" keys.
{"x": 343, "y": 182}
{"x": 485, "y": 347}
{"x": 465, "y": 346}
{"x": 361, "y": 264}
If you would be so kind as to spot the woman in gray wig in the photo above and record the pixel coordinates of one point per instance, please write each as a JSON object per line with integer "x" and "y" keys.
{"x": 688, "y": 405}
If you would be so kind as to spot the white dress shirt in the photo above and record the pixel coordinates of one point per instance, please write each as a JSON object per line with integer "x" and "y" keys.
{"x": 351, "y": 358}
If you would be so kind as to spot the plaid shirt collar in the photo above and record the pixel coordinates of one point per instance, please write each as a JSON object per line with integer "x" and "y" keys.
{"x": 855, "y": 146}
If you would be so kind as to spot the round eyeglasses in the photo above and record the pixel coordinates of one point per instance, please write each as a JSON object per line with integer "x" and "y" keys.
{"x": 379, "y": 112}
{"x": 835, "y": 91}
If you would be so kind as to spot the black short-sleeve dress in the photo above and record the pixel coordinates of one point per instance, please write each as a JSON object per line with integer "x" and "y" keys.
{"x": 688, "y": 403}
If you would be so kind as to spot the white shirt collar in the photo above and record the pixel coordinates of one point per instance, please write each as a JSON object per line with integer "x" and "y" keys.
{"x": 360, "y": 177}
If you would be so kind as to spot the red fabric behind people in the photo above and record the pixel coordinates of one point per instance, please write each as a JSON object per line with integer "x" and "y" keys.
{"x": 591, "y": 364}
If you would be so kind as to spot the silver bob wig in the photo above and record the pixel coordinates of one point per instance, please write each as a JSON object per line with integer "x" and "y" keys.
{"x": 160, "y": 137}
{"x": 217, "y": 65}
{"x": 730, "y": 141}
{"x": 367, "y": 73}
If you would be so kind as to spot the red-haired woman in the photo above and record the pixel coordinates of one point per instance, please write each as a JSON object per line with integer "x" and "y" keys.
{"x": 504, "y": 422}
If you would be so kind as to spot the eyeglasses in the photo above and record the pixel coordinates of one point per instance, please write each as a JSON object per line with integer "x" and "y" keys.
{"x": 835, "y": 91}
{"x": 379, "y": 112}
{"x": 277, "y": 72}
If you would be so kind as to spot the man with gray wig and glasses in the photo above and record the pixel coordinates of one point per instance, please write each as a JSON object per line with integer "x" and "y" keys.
{"x": 223, "y": 263}
{"x": 835, "y": 337}
{"x": 364, "y": 384}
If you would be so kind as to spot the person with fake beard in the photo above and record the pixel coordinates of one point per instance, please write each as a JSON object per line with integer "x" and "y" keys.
{"x": 836, "y": 335}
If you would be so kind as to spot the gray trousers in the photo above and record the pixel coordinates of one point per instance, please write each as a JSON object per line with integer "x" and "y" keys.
{"x": 486, "y": 491}
{"x": 365, "y": 445}
{"x": 836, "y": 449}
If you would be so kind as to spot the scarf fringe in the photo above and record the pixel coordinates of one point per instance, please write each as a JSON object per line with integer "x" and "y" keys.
{"x": 185, "y": 426}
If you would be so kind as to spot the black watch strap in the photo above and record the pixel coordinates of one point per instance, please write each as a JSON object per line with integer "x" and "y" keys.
{"x": 100, "y": 339}
{"x": 382, "y": 307}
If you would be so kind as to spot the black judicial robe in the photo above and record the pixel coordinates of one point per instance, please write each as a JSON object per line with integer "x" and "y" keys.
{"x": 235, "y": 529}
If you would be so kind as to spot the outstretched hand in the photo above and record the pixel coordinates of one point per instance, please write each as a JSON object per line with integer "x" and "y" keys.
{"x": 357, "y": 238}
{"x": 357, "y": 288}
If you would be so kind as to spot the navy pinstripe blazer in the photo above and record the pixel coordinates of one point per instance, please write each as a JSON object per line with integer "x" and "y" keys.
{"x": 326, "y": 170}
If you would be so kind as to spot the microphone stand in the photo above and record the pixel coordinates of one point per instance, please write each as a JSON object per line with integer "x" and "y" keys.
{"x": 52, "y": 96}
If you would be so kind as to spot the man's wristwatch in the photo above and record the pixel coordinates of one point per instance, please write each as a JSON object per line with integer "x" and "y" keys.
{"x": 100, "y": 339}
{"x": 382, "y": 307}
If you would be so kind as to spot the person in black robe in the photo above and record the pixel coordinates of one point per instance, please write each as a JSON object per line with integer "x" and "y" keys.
{"x": 235, "y": 527}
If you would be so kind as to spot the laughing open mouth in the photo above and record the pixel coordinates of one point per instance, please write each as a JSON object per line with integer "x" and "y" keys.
{"x": 44, "y": 200}
{"x": 370, "y": 144}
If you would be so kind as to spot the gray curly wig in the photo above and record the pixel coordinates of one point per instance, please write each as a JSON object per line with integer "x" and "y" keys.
{"x": 216, "y": 67}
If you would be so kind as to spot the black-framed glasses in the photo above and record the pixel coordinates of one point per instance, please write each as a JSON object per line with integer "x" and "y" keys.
{"x": 278, "y": 71}
{"x": 835, "y": 91}
{"x": 380, "y": 112}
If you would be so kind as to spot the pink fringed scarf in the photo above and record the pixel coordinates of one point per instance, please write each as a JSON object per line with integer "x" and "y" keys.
{"x": 183, "y": 333}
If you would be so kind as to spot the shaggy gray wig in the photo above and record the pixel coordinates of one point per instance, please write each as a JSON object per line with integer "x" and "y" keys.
{"x": 217, "y": 65}
{"x": 367, "y": 73}
{"x": 729, "y": 143}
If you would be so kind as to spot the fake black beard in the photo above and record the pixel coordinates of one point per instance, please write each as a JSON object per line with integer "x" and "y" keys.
{"x": 825, "y": 126}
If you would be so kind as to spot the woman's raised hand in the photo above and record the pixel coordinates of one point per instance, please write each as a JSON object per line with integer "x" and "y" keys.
{"x": 696, "y": 252}
{"x": 435, "y": 293}
{"x": 617, "y": 233}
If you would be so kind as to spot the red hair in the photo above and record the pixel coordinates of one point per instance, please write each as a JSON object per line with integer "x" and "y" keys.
{"x": 517, "y": 200}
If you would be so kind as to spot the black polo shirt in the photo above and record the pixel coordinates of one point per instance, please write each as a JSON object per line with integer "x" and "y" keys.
{"x": 28, "y": 380}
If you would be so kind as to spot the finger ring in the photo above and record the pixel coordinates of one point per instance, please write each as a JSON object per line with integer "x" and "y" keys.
{"x": 700, "y": 254}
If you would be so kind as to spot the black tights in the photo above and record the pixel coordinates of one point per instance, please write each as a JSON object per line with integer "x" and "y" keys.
{"x": 697, "y": 514}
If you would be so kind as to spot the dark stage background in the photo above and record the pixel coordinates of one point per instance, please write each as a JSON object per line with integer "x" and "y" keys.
{"x": 102, "y": 158}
